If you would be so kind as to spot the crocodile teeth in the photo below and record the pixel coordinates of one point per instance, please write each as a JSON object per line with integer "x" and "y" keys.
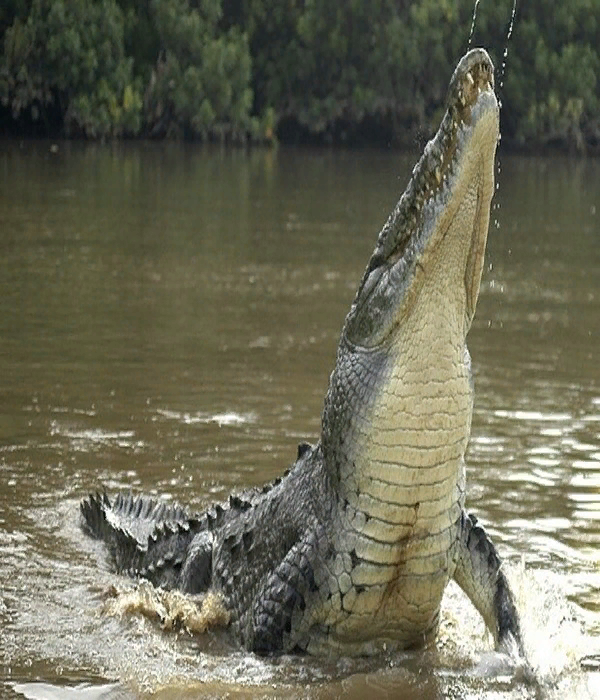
{"x": 470, "y": 78}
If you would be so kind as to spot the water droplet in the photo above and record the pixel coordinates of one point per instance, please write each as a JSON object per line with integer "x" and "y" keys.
{"x": 509, "y": 32}
{"x": 473, "y": 23}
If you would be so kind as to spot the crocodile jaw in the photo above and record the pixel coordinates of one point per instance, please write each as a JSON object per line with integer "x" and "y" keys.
{"x": 449, "y": 193}
{"x": 457, "y": 212}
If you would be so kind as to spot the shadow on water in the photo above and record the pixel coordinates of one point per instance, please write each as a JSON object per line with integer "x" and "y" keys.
{"x": 168, "y": 320}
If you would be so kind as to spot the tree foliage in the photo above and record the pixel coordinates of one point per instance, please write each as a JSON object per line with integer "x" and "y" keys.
{"x": 553, "y": 81}
{"x": 373, "y": 70}
{"x": 71, "y": 52}
{"x": 200, "y": 84}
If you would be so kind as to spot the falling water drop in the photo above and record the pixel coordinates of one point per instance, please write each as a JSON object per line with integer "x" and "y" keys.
{"x": 473, "y": 24}
{"x": 511, "y": 25}
{"x": 508, "y": 35}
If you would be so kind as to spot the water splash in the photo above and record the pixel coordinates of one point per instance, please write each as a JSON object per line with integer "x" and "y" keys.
{"x": 172, "y": 608}
{"x": 554, "y": 630}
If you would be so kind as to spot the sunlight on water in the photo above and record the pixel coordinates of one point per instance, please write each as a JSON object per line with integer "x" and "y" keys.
{"x": 533, "y": 415}
{"x": 82, "y": 691}
{"x": 95, "y": 438}
{"x": 228, "y": 418}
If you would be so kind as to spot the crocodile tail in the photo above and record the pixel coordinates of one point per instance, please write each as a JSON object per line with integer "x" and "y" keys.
{"x": 146, "y": 538}
{"x": 93, "y": 515}
{"x": 103, "y": 520}
{"x": 136, "y": 515}
{"x": 168, "y": 549}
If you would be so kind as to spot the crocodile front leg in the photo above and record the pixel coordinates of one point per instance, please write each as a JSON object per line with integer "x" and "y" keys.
{"x": 479, "y": 573}
{"x": 289, "y": 604}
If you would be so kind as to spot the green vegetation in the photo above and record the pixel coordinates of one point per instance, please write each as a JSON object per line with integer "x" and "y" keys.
{"x": 306, "y": 70}
{"x": 69, "y": 54}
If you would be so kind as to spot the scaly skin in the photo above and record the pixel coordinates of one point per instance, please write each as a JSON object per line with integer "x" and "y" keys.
{"x": 351, "y": 551}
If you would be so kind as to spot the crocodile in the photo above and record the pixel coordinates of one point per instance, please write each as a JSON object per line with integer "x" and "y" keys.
{"x": 349, "y": 553}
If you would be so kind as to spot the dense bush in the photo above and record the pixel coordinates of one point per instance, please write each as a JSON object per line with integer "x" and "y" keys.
{"x": 359, "y": 70}
{"x": 553, "y": 81}
{"x": 71, "y": 53}
{"x": 200, "y": 85}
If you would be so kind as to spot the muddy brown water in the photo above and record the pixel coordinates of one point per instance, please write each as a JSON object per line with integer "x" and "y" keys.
{"x": 168, "y": 320}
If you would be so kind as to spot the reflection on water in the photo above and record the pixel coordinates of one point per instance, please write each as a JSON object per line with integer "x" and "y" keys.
{"x": 168, "y": 321}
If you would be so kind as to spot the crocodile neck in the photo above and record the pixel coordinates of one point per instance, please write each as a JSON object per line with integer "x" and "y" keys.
{"x": 413, "y": 429}
{"x": 397, "y": 414}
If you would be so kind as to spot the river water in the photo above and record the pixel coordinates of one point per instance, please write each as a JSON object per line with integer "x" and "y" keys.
{"x": 168, "y": 320}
